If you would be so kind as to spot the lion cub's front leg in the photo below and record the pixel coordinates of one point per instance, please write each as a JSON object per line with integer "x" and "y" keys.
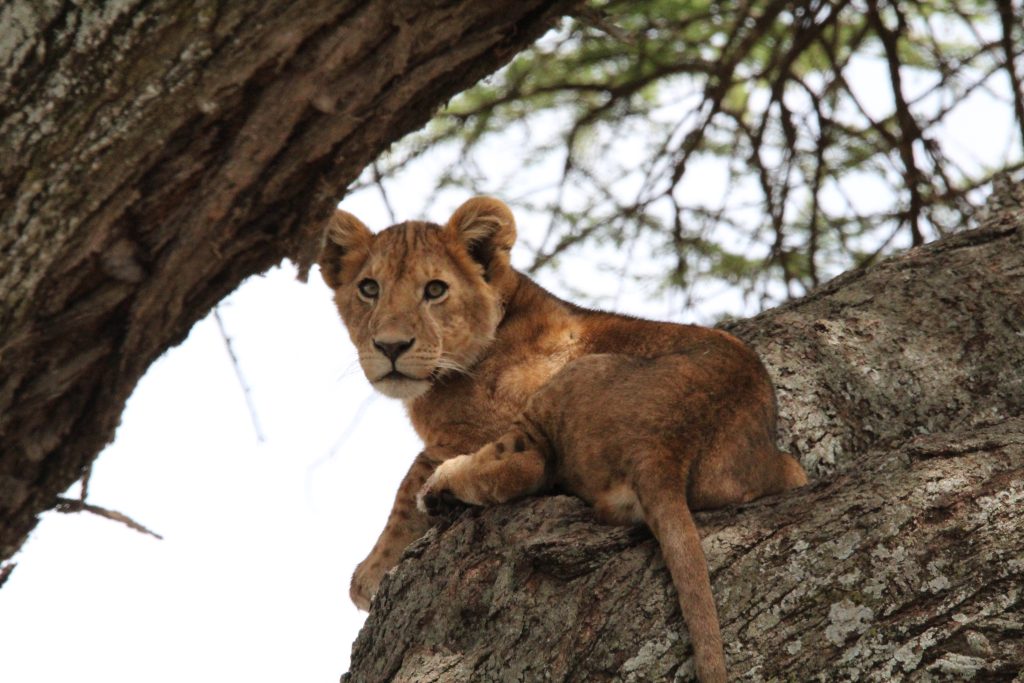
{"x": 511, "y": 467}
{"x": 405, "y": 524}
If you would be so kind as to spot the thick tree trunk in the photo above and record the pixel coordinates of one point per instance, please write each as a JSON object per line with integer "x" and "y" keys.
{"x": 156, "y": 153}
{"x": 901, "y": 387}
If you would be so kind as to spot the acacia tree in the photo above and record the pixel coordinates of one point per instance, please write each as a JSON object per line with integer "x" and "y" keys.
{"x": 155, "y": 154}
{"x": 833, "y": 132}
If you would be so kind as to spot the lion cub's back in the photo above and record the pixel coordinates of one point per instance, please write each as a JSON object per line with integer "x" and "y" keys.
{"x": 601, "y": 410}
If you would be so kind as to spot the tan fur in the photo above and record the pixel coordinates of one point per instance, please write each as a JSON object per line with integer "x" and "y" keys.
{"x": 514, "y": 391}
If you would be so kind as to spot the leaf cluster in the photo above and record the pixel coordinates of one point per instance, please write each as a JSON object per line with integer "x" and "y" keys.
{"x": 755, "y": 142}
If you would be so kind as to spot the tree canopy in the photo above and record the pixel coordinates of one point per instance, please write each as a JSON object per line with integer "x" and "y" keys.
{"x": 768, "y": 145}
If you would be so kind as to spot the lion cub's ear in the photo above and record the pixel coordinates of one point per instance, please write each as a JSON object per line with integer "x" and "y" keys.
{"x": 344, "y": 236}
{"x": 486, "y": 226}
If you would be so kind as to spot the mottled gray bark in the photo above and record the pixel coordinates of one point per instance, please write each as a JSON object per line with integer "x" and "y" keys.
{"x": 901, "y": 387}
{"x": 156, "y": 153}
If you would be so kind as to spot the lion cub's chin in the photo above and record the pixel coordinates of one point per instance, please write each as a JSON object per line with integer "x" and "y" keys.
{"x": 405, "y": 389}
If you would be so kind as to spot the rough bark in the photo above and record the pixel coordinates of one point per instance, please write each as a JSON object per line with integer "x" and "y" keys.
{"x": 901, "y": 387}
{"x": 157, "y": 153}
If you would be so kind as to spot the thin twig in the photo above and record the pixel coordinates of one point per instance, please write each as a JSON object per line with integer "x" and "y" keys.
{"x": 910, "y": 132}
{"x": 346, "y": 433}
{"x": 239, "y": 375}
{"x": 85, "y": 483}
{"x": 378, "y": 180}
{"x": 70, "y": 505}
{"x": 5, "y": 572}
{"x": 595, "y": 18}
{"x": 1009, "y": 22}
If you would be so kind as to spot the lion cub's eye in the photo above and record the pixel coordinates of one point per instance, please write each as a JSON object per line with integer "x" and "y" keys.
{"x": 369, "y": 288}
{"x": 435, "y": 289}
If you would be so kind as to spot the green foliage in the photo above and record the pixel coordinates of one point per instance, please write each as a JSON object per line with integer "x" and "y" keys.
{"x": 750, "y": 143}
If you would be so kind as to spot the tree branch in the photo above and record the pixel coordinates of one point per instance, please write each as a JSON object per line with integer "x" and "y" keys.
{"x": 900, "y": 387}
{"x": 71, "y": 505}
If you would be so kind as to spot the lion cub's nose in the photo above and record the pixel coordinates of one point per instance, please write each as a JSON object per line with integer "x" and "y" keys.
{"x": 393, "y": 349}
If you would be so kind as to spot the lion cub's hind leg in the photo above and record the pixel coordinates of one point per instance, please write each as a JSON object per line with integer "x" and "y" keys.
{"x": 512, "y": 467}
{"x": 742, "y": 465}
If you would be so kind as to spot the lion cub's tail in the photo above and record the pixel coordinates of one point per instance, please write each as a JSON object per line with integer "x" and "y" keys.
{"x": 668, "y": 516}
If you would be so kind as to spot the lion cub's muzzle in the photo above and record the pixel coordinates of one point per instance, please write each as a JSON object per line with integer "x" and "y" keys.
{"x": 396, "y": 372}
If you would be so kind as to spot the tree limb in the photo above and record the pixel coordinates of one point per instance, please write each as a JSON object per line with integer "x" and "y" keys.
{"x": 901, "y": 388}
{"x": 155, "y": 155}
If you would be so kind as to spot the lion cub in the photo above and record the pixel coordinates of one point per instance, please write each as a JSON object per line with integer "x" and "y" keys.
{"x": 515, "y": 391}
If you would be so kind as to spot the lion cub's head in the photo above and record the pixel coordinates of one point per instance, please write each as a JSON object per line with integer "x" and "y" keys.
{"x": 420, "y": 300}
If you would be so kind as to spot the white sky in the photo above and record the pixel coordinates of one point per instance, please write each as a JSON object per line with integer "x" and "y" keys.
{"x": 260, "y": 539}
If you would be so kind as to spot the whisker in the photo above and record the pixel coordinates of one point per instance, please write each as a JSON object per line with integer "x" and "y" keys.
{"x": 349, "y": 370}
{"x": 448, "y": 363}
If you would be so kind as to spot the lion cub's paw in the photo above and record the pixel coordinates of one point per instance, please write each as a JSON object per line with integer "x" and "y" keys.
{"x": 435, "y": 504}
{"x": 435, "y": 497}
